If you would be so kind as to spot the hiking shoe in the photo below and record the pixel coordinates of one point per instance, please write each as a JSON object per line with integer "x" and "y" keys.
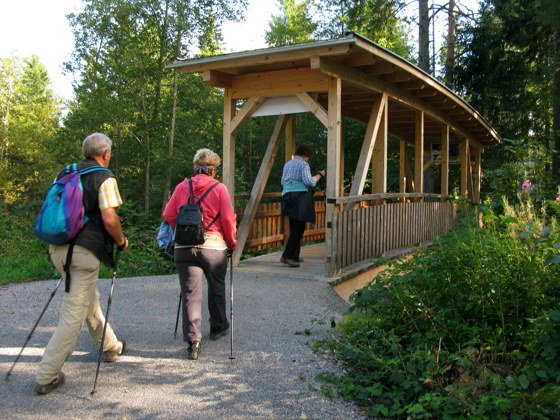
{"x": 194, "y": 350}
{"x": 290, "y": 262}
{"x": 216, "y": 333}
{"x": 112, "y": 355}
{"x": 283, "y": 260}
{"x": 45, "y": 389}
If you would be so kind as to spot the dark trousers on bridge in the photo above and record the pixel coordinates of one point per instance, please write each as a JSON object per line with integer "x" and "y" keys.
{"x": 293, "y": 246}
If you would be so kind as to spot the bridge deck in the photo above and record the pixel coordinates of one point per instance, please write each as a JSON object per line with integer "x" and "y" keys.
{"x": 312, "y": 267}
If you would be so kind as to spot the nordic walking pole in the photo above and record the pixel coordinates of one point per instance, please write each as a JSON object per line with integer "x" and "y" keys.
{"x": 106, "y": 319}
{"x": 231, "y": 305}
{"x": 178, "y": 312}
{"x": 33, "y": 330}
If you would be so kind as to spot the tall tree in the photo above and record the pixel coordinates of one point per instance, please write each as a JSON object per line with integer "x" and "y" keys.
{"x": 29, "y": 115}
{"x": 293, "y": 26}
{"x": 424, "y": 35}
{"x": 376, "y": 19}
{"x": 510, "y": 68}
{"x": 451, "y": 39}
{"x": 122, "y": 47}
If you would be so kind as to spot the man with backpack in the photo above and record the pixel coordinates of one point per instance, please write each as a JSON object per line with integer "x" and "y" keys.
{"x": 202, "y": 212}
{"x": 79, "y": 262}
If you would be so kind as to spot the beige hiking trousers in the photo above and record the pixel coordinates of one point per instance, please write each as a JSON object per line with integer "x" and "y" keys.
{"x": 79, "y": 305}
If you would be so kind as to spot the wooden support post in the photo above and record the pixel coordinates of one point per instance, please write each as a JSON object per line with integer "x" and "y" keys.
{"x": 250, "y": 107}
{"x": 444, "y": 161}
{"x": 341, "y": 169}
{"x": 408, "y": 171}
{"x": 470, "y": 183}
{"x": 289, "y": 150}
{"x": 333, "y": 168}
{"x": 379, "y": 153}
{"x": 370, "y": 137}
{"x": 476, "y": 171}
{"x": 419, "y": 152}
{"x": 402, "y": 167}
{"x": 464, "y": 156}
{"x": 258, "y": 187}
{"x": 228, "y": 173}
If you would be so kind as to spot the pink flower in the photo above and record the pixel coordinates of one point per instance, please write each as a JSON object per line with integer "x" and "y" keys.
{"x": 526, "y": 185}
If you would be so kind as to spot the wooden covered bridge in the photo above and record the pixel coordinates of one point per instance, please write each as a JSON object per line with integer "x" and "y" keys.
{"x": 351, "y": 77}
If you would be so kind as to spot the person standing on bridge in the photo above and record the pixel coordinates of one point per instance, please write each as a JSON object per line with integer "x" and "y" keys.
{"x": 297, "y": 201}
{"x": 209, "y": 258}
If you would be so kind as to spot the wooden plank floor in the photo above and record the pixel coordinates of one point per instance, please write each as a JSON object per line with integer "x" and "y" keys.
{"x": 312, "y": 267}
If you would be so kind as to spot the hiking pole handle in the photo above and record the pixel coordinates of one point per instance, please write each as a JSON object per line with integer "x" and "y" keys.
{"x": 33, "y": 329}
{"x": 117, "y": 258}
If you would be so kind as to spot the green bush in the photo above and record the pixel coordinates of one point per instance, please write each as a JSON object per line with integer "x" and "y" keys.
{"x": 23, "y": 257}
{"x": 469, "y": 327}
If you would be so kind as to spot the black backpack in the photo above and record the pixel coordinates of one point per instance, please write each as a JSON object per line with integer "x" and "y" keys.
{"x": 190, "y": 220}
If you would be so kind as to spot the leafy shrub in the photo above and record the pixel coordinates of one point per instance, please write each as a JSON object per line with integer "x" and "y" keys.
{"x": 23, "y": 257}
{"x": 469, "y": 327}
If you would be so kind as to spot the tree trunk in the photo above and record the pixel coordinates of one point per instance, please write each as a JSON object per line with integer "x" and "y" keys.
{"x": 167, "y": 188}
{"x": 147, "y": 175}
{"x": 556, "y": 111}
{"x": 424, "y": 36}
{"x": 153, "y": 126}
{"x": 451, "y": 35}
{"x": 170, "y": 144}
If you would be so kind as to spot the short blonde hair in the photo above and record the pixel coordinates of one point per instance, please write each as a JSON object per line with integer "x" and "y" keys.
{"x": 206, "y": 157}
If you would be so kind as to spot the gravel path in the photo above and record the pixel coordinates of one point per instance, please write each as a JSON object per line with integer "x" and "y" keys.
{"x": 272, "y": 377}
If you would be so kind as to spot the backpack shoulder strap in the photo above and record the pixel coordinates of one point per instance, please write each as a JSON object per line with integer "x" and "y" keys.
{"x": 191, "y": 195}
{"x": 92, "y": 169}
{"x": 203, "y": 197}
{"x": 207, "y": 192}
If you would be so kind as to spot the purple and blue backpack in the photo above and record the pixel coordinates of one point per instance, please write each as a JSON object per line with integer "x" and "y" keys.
{"x": 62, "y": 215}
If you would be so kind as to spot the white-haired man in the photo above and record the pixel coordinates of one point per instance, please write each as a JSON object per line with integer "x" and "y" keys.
{"x": 92, "y": 246}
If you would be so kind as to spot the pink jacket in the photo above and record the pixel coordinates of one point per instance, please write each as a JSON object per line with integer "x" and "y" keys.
{"x": 217, "y": 200}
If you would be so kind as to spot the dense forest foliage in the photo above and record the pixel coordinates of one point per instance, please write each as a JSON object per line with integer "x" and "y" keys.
{"x": 505, "y": 65}
{"x": 471, "y": 326}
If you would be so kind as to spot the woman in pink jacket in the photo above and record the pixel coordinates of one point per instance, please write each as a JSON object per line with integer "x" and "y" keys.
{"x": 208, "y": 259}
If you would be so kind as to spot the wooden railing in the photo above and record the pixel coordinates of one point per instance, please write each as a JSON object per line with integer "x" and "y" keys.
{"x": 365, "y": 233}
{"x": 268, "y": 227}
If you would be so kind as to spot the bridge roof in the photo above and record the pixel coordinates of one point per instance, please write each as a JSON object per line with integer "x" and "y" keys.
{"x": 366, "y": 69}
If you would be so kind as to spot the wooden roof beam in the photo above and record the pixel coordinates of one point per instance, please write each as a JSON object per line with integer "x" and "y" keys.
{"x": 314, "y": 107}
{"x": 398, "y": 77}
{"x": 356, "y": 60}
{"x": 413, "y": 85}
{"x": 250, "y": 107}
{"x": 381, "y": 68}
{"x": 363, "y": 80}
{"x": 278, "y": 83}
{"x": 216, "y": 78}
{"x": 398, "y": 62}
{"x": 244, "y": 60}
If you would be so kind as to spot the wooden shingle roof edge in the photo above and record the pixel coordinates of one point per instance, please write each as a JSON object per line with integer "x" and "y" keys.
{"x": 340, "y": 48}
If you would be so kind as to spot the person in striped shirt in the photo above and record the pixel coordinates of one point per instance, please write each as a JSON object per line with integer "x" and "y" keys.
{"x": 297, "y": 201}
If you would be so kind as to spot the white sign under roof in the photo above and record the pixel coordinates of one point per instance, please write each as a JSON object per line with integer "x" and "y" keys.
{"x": 280, "y": 105}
